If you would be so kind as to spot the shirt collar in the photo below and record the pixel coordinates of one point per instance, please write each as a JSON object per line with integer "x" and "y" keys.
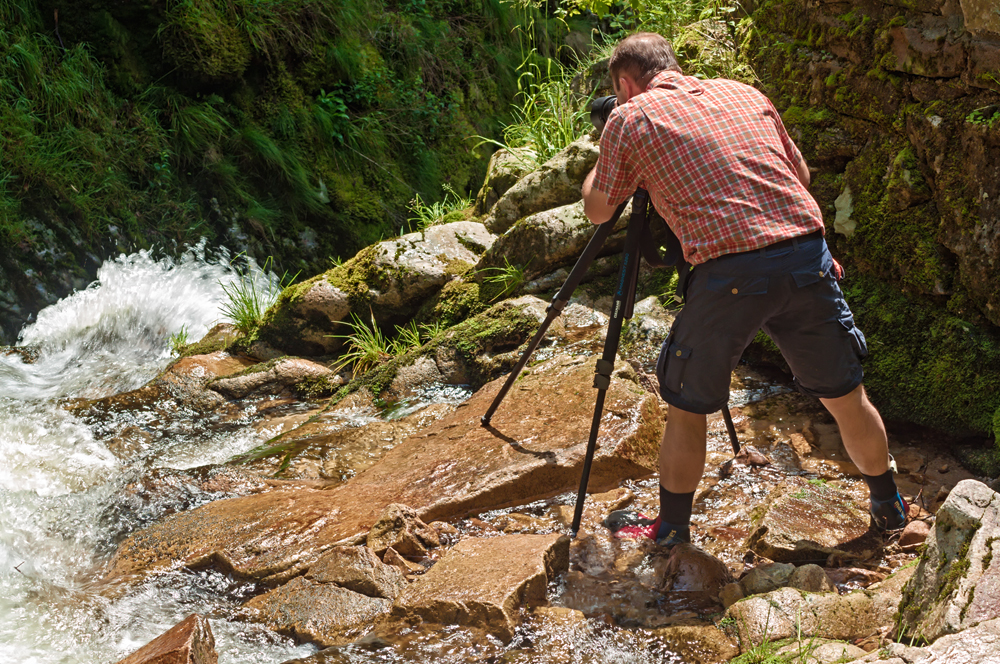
{"x": 673, "y": 80}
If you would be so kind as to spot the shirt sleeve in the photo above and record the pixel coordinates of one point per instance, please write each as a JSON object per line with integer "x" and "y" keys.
{"x": 791, "y": 150}
{"x": 617, "y": 172}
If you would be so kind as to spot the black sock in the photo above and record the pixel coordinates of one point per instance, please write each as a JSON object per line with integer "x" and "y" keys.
{"x": 882, "y": 487}
{"x": 675, "y": 508}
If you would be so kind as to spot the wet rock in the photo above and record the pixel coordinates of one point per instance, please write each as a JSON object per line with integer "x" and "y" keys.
{"x": 321, "y": 613}
{"x": 283, "y": 376}
{"x": 854, "y": 577}
{"x": 388, "y": 280}
{"x": 811, "y": 578}
{"x": 507, "y": 166}
{"x": 697, "y": 644}
{"x": 394, "y": 559}
{"x": 556, "y": 183}
{"x": 453, "y": 467}
{"x": 188, "y": 642}
{"x": 357, "y": 568}
{"x": 913, "y": 535}
{"x": 688, "y": 569}
{"x": 399, "y": 527}
{"x": 730, "y": 594}
{"x": 807, "y": 522}
{"x": 820, "y": 651}
{"x": 765, "y": 578}
{"x": 956, "y": 584}
{"x": 485, "y": 582}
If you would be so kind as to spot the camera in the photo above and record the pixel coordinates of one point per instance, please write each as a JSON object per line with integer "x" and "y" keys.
{"x": 600, "y": 109}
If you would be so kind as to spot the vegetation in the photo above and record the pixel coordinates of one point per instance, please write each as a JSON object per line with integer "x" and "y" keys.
{"x": 251, "y": 294}
{"x": 367, "y": 346}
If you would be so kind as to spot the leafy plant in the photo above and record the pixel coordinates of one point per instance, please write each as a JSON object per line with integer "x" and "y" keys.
{"x": 509, "y": 278}
{"x": 366, "y": 345}
{"x": 987, "y": 116}
{"x": 251, "y": 294}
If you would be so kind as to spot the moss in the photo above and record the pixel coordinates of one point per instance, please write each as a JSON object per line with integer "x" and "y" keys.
{"x": 458, "y": 300}
{"x": 925, "y": 365}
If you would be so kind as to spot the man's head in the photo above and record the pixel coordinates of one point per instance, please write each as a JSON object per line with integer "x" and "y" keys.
{"x": 636, "y": 60}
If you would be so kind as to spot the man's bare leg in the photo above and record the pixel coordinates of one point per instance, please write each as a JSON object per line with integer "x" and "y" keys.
{"x": 862, "y": 431}
{"x": 682, "y": 452}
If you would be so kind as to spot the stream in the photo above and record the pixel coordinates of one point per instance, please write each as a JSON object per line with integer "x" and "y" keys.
{"x": 66, "y": 500}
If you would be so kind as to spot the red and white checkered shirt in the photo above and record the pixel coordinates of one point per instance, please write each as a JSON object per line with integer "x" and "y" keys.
{"x": 717, "y": 163}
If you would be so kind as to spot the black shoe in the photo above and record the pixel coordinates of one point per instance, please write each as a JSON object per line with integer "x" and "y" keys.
{"x": 889, "y": 514}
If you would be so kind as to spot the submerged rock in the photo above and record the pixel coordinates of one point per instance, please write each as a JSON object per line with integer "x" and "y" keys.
{"x": 188, "y": 642}
{"x": 455, "y": 466}
{"x": 485, "y": 582}
{"x": 957, "y": 581}
{"x": 322, "y": 613}
{"x": 807, "y": 522}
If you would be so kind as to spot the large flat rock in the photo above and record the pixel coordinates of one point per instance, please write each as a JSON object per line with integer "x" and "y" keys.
{"x": 484, "y": 582}
{"x": 534, "y": 449}
{"x": 805, "y": 522}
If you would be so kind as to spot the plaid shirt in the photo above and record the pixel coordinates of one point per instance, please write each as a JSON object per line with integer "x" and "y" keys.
{"x": 717, "y": 163}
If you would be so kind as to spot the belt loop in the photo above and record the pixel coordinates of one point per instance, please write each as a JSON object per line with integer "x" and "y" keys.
{"x": 795, "y": 243}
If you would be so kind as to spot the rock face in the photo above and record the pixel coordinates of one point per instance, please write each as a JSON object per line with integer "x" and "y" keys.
{"x": 388, "y": 280}
{"x": 188, "y": 642}
{"x": 979, "y": 645}
{"x": 896, "y": 105}
{"x": 485, "y": 582}
{"x": 451, "y": 468}
{"x": 807, "y": 522}
{"x": 957, "y": 581}
{"x": 556, "y": 183}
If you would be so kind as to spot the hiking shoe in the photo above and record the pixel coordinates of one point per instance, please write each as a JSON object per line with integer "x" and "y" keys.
{"x": 629, "y": 524}
{"x": 889, "y": 514}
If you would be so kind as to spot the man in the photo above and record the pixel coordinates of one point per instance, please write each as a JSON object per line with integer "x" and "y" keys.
{"x": 722, "y": 171}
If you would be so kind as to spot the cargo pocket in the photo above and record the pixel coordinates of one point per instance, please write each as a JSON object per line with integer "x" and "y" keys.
{"x": 670, "y": 366}
{"x": 857, "y": 337}
{"x": 720, "y": 283}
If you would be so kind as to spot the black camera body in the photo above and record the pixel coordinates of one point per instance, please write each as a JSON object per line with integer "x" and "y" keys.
{"x": 600, "y": 110}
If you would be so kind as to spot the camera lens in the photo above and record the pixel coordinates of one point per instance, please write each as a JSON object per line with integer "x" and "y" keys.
{"x": 600, "y": 109}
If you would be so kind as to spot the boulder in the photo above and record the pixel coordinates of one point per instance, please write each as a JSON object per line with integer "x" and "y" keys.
{"x": 484, "y": 582}
{"x": 788, "y": 612}
{"x": 455, "y": 466}
{"x": 357, "y": 568}
{"x": 765, "y": 578}
{"x": 543, "y": 241}
{"x": 688, "y": 569}
{"x": 978, "y": 645}
{"x": 321, "y": 613}
{"x": 811, "y": 578}
{"x": 807, "y": 522}
{"x": 957, "y": 581}
{"x": 283, "y": 376}
{"x": 820, "y": 651}
{"x": 507, "y": 166}
{"x": 388, "y": 281}
{"x": 188, "y": 642}
{"x": 556, "y": 183}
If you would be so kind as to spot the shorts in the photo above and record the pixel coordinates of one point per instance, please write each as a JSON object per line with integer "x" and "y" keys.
{"x": 788, "y": 290}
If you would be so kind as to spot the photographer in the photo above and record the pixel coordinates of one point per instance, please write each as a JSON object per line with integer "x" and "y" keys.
{"x": 721, "y": 170}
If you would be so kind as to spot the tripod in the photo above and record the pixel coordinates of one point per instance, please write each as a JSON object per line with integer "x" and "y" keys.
{"x": 638, "y": 244}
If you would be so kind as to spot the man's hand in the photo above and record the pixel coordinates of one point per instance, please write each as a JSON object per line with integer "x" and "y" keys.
{"x": 595, "y": 203}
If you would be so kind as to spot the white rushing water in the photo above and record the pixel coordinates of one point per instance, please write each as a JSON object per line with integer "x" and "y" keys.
{"x": 61, "y": 488}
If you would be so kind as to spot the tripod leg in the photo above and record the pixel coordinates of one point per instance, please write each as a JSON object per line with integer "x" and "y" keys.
{"x": 620, "y": 309}
{"x": 731, "y": 428}
{"x": 555, "y": 308}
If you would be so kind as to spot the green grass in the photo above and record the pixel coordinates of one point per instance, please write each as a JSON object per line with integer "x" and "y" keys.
{"x": 367, "y": 346}
{"x": 508, "y": 278}
{"x": 179, "y": 339}
{"x": 423, "y": 215}
{"x": 251, "y": 294}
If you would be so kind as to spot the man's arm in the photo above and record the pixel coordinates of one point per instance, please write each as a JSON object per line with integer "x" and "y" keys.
{"x": 595, "y": 203}
{"x": 802, "y": 170}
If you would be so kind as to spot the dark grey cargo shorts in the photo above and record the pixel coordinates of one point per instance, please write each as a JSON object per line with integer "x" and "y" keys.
{"x": 791, "y": 293}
